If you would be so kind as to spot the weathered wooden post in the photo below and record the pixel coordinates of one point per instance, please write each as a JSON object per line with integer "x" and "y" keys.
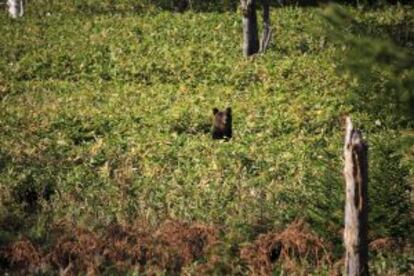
{"x": 356, "y": 205}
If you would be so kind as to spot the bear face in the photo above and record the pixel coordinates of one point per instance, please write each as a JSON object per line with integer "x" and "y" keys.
{"x": 222, "y": 124}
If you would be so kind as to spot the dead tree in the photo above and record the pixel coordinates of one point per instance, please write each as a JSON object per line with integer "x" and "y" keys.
{"x": 267, "y": 31}
{"x": 356, "y": 205}
{"x": 251, "y": 44}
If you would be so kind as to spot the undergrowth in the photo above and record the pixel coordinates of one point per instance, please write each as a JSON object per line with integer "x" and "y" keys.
{"x": 107, "y": 164}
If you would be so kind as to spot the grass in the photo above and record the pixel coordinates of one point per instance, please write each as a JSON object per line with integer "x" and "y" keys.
{"x": 105, "y": 118}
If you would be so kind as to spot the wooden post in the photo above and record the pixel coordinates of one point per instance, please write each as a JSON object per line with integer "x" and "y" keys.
{"x": 356, "y": 205}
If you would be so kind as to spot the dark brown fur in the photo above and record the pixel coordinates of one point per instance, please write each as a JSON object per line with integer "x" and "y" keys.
{"x": 222, "y": 124}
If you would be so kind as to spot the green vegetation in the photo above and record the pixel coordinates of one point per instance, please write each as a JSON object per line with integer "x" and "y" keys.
{"x": 105, "y": 119}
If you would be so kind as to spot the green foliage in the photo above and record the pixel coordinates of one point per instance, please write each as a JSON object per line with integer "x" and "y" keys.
{"x": 379, "y": 55}
{"x": 112, "y": 110}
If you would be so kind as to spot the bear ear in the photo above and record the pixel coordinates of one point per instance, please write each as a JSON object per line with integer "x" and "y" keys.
{"x": 215, "y": 111}
{"x": 228, "y": 110}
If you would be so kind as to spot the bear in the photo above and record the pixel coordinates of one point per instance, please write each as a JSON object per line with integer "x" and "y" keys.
{"x": 222, "y": 128}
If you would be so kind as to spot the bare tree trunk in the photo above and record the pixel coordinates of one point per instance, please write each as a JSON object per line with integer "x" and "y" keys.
{"x": 264, "y": 43}
{"x": 15, "y": 8}
{"x": 250, "y": 31}
{"x": 356, "y": 205}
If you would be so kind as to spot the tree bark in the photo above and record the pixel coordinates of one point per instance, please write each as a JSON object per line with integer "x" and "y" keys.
{"x": 250, "y": 31}
{"x": 356, "y": 205}
{"x": 264, "y": 43}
